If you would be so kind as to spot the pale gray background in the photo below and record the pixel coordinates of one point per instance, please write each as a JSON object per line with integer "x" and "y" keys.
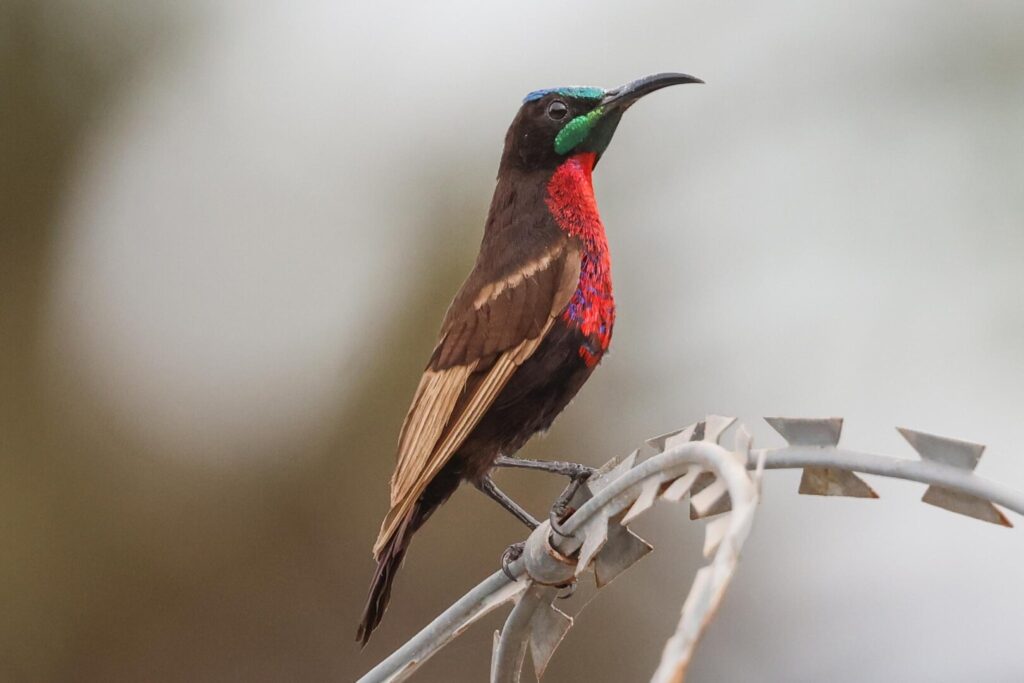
{"x": 231, "y": 228}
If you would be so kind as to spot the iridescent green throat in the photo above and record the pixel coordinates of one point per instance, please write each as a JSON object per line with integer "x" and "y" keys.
{"x": 577, "y": 130}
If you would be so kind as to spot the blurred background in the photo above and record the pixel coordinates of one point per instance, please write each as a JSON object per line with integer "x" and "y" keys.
{"x": 229, "y": 230}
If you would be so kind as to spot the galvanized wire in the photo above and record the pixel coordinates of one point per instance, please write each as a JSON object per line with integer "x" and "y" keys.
{"x": 488, "y": 595}
{"x": 618, "y": 495}
{"x": 624, "y": 488}
{"x": 923, "y": 471}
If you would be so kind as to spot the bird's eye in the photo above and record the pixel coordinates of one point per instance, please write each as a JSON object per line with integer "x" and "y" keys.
{"x": 557, "y": 110}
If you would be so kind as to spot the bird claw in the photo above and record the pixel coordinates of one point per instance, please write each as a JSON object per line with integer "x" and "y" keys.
{"x": 561, "y": 508}
{"x": 570, "y": 590}
{"x": 511, "y": 554}
{"x": 578, "y": 475}
{"x": 576, "y": 471}
{"x": 555, "y": 517}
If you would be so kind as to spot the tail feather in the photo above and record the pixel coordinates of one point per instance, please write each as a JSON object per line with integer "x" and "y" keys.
{"x": 391, "y": 554}
{"x": 389, "y": 557}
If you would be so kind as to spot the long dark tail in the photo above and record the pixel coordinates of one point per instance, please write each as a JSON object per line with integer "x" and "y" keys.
{"x": 390, "y": 557}
{"x": 388, "y": 562}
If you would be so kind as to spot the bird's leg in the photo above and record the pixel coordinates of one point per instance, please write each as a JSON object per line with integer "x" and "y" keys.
{"x": 566, "y": 469}
{"x": 514, "y": 551}
{"x": 576, "y": 472}
{"x": 487, "y": 486}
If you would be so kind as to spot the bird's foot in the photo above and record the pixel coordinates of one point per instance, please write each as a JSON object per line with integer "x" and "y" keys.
{"x": 574, "y": 470}
{"x": 562, "y": 508}
{"x": 511, "y": 554}
{"x": 570, "y": 590}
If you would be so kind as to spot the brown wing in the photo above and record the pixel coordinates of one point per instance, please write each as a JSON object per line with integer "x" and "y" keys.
{"x": 489, "y": 331}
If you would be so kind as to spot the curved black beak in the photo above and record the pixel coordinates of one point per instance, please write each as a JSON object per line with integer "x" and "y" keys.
{"x": 608, "y": 112}
{"x": 620, "y": 98}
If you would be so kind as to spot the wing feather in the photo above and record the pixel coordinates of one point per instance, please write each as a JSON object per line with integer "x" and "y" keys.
{"x": 499, "y": 320}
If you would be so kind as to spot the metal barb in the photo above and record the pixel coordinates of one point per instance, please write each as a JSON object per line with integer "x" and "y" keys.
{"x": 962, "y": 455}
{"x": 621, "y": 551}
{"x": 681, "y": 486}
{"x": 715, "y": 426}
{"x": 804, "y": 431}
{"x": 681, "y": 437}
{"x": 659, "y": 442}
{"x": 600, "y": 480}
{"x": 823, "y": 433}
{"x": 547, "y": 629}
{"x": 648, "y": 494}
{"x": 708, "y": 497}
{"x": 832, "y": 481}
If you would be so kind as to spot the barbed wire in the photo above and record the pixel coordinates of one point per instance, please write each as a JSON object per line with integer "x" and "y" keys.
{"x": 723, "y": 485}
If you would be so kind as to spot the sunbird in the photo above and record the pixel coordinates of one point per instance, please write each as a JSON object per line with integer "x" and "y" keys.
{"x": 527, "y": 327}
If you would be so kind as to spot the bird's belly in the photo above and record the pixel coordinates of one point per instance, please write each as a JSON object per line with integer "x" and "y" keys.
{"x": 534, "y": 396}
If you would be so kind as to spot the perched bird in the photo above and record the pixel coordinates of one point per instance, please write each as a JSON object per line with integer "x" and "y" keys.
{"x": 526, "y": 329}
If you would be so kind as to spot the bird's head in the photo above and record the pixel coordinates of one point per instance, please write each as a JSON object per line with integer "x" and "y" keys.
{"x": 556, "y": 123}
